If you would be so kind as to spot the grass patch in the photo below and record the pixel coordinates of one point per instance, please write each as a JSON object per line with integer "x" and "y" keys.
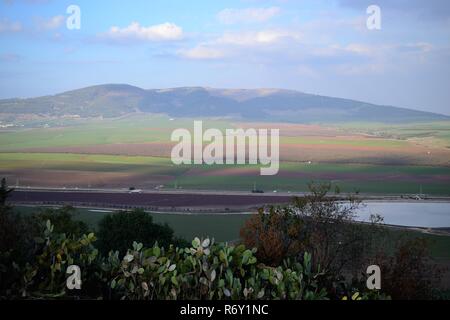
{"x": 218, "y": 226}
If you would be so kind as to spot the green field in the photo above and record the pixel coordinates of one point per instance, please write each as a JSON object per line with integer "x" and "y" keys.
{"x": 24, "y": 160}
{"x": 142, "y": 129}
{"x": 220, "y": 227}
{"x": 293, "y": 176}
{"x": 343, "y": 142}
{"x": 435, "y": 132}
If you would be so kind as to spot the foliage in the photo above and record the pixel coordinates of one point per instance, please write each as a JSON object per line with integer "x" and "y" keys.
{"x": 21, "y": 238}
{"x": 46, "y": 275}
{"x": 357, "y": 290}
{"x": 35, "y": 254}
{"x": 4, "y": 192}
{"x": 318, "y": 223}
{"x": 369, "y": 295}
{"x": 203, "y": 271}
{"x": 118, "y": 231}
{"x": 15, "y": 242}
{"x": 62, "y": 221}
{"x": 275, "y": 233}
{"x": 409, "y": 273}
{"x": 211, "y": 271}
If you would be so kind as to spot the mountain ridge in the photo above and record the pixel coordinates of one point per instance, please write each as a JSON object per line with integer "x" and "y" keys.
{"x": 263, "y": 104}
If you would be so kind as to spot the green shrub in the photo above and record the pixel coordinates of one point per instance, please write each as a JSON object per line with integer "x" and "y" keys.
{"x": 211, "y": 271}
{"x": 204, "y": 270}
{"x": 409, "y": 274}
{"x": 321, "y": 223}
{"x": 118, "y": 231}
{"x": 45, "y": 276}
{"x": 16, "y": 247}
{"x": 62, "y": 221}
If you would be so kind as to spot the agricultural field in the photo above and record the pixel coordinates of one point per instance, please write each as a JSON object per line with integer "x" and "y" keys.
{"x": 135, "y": 152}
{"x": 431, "y": 134}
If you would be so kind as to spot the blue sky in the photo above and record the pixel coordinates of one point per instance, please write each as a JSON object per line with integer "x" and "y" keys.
{"x": 315, "y": 46}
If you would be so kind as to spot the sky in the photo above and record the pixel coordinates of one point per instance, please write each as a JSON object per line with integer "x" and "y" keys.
{"x": 315, "y": 46}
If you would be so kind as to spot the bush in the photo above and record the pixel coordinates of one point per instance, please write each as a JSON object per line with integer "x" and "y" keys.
{"x": 409, "y": 273}
{"x": 45, "y": 277}
{"x": 318, "y": 223}
{"x": 118, "y": 231}
{"x": 16, "y": 246}
{"x": 13, "y": 227}
{"x": 211, "y": 271}
{"x": 62, "y": 220}
{"x": 275, "y": 233}
{"x": 18, "y": 235}
{"x": 35, "y": 254}
{"x": 203, "y": 271}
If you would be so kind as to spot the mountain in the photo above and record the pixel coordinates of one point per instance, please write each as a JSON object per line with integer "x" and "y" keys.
{"x": 115, "y": 100}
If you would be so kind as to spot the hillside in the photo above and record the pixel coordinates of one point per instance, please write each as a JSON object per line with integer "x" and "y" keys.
{"x": 115, "y": 100}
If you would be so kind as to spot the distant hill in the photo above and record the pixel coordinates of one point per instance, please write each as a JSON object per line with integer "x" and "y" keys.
{"x": 115, "y": 100}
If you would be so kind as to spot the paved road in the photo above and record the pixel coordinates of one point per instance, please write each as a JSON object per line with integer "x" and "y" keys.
{"x": 157, "y": 199}
{"x": 180, "y": 200}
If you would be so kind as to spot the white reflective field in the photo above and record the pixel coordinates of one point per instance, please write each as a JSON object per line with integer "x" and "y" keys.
{"x": 414, "y": 214}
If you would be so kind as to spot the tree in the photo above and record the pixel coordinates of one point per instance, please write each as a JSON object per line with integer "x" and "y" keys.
{"x": 11, "y": 224}
{"x": 319, "y": 223}
{"x": 119, "y": 230}
{"x": 4, "y": 192}
{"x": 334, "y": 238}
{"x": 16, "y": 243}
{"x": 275, "y": 233}
{"x": 409, "y": 274}
{"x": 62, "y": 220}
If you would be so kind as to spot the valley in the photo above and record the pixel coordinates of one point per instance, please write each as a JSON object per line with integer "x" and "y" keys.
{"x": 134, "y": 151}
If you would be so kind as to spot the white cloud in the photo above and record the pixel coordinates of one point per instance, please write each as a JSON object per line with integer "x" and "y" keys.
{"x": 434, "y": 10}
{"x": 331, "y": 24}
{"x": 352, "y": 49}
{"x": 416, "y": 47}
{"x": 360, "y": 69}
{"x": 358, "y": 48}
{"x": 313, "y": 48}
{"x": 51, "y": 23}
{"x": 248, "y": 15}
{"x": 202, "y": 52}
{"x": 39, "y": 23}
{"x": 7, "y": 26}
{"x": 264, "y": 37}
{"x": 161, "y": 32}
{"x": 241, "y": 43}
